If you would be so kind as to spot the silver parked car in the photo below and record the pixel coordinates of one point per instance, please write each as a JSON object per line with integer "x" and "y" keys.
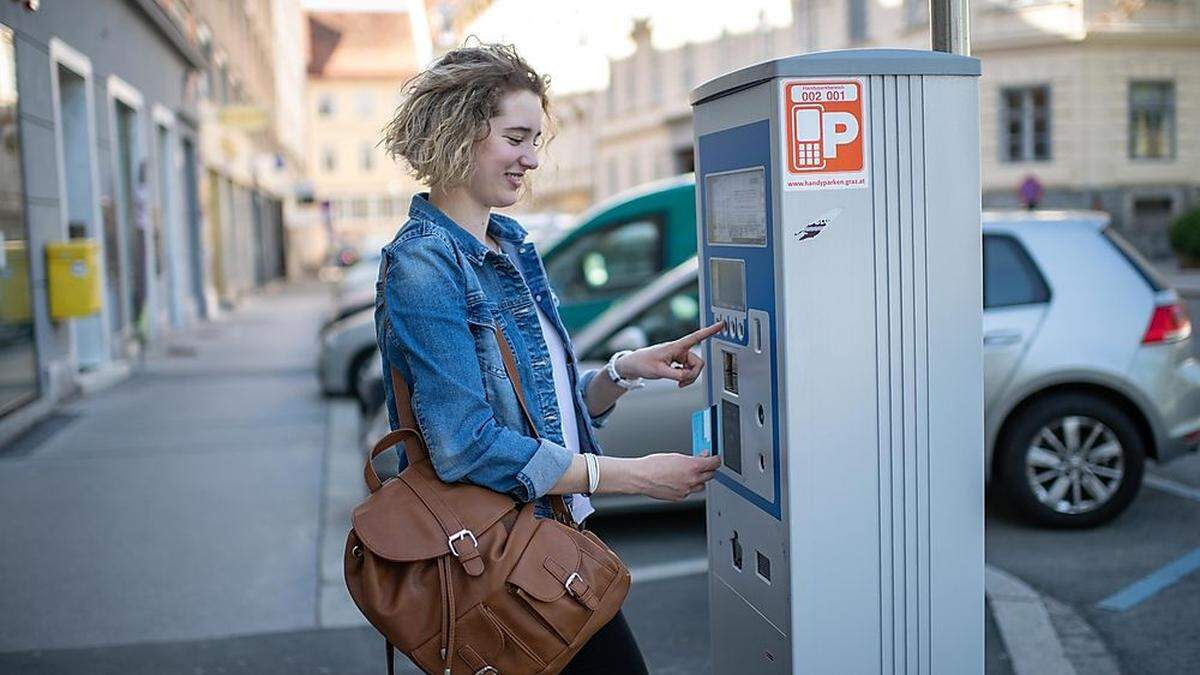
{"x": 348, "y": 353}
{"x": 1088, "y": 366}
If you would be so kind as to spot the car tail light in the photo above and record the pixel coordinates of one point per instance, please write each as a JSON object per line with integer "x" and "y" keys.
{"x": 1170, "y": 323}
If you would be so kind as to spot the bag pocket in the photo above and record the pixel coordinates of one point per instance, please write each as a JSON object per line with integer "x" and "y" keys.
{"x": 562, "y": 578}
{"x": 480, "y": 641}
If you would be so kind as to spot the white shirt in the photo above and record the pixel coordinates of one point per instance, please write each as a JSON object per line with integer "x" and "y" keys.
{"x": 581, "y": 506}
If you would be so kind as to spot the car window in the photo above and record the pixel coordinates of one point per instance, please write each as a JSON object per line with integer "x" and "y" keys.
{"x": 607, "y": 261}
{"x": 1010, "y": 277}
{"x": 668, "y": 319}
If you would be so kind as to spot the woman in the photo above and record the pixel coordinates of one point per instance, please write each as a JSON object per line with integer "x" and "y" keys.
{"x": 470, "y": 128}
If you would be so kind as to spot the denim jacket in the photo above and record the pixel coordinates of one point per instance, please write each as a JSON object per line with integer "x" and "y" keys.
{"x": 440, "y": 293}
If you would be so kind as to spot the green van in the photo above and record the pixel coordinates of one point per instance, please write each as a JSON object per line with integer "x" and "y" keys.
{"x": 620, "y": 245}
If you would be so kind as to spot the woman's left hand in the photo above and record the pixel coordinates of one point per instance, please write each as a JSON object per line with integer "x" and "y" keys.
{"x": 668, "y": 360}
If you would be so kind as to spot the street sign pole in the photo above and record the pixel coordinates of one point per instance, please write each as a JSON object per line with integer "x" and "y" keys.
{"x": 950, "y": 26}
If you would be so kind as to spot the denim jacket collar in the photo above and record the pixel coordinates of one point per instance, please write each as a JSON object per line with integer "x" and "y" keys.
{"x": 502, "y": 228}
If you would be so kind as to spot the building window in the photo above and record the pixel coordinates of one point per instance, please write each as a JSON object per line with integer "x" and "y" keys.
{"x": 1152, "y": 120}
{"x": 1152, "y": 213}
{"x": 325, "y": 105}
{"x": 387, "y": 207}
{"x": 359, "y": 207}
{"x": 366, "y": 156}
{"x": 224, "y": 83}
{"x": 856, "y": 14}
{"x": 1025, "y": 124}
{"x": 364, "y": 103}
{"x": 328, "y": 159}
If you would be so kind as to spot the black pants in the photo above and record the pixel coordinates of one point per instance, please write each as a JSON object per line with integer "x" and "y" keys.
{"x": 611, "y": 651}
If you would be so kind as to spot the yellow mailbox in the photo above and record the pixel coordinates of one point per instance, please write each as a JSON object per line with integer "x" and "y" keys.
{"x": 73, "y": 268}
{"x": 15, "y": 307}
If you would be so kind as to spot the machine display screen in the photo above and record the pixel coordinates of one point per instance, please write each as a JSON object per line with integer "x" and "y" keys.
{"x": 728, "y": 279}
{"x": 737, "y": 207}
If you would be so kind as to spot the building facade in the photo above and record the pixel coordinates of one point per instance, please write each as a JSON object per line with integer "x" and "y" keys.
{"x": 1089, "y": 98}
{"x": 115, "y": 115}
{"x": 357, "y": 65}
{"x": 251, "y": 140}
{"x": 101, "y": 110}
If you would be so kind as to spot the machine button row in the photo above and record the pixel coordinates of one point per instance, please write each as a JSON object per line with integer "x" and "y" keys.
{"x": 734, "y": 328}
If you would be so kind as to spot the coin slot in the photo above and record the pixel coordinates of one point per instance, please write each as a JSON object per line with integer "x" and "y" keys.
{"x": 737, "y": 551}
{"x": 731, "y": 371}
{"x": 762, "y": 462}
{"x": 757, "y": 335}
{"x": 762, "y": 415}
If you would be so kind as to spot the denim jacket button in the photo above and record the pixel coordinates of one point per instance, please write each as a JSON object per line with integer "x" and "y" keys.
{"x": 538, "y": 297}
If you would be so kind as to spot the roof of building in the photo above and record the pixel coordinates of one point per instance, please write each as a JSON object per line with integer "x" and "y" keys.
{"x": 360, "y": 44}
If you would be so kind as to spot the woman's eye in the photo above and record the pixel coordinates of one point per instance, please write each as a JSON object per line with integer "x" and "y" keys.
{"x": 514, "y": 141}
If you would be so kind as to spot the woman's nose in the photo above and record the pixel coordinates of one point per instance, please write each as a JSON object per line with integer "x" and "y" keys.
{"x": 529, "y": 159}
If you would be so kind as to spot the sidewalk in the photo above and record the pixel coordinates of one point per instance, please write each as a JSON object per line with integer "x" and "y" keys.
{"x": 191, "y": 518}
{"x": 181, "y": 504}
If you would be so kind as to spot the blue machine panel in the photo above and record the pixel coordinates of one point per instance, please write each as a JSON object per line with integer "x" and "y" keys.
{"x": 744, "y": 154}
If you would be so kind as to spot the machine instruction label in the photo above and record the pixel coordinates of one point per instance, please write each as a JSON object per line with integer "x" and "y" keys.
{"x": 824, "y": 134}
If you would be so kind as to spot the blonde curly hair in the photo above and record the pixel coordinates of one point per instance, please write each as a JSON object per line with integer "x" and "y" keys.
{"x": 446, "y": 108}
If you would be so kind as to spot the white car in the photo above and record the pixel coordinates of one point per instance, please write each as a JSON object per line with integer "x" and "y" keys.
{"x": 348, "y": 353}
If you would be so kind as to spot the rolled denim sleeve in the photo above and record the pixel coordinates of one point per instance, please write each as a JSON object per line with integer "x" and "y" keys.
{"x": 429, "y": 334}
{"x": 544, "y": 469}
{"x": 597, "y": 421}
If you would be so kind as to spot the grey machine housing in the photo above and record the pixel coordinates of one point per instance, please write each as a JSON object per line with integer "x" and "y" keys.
{"x": 846, "y": 523}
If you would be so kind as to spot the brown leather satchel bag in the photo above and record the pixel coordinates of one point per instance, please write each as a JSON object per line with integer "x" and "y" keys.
{"x": 463, "y": 579}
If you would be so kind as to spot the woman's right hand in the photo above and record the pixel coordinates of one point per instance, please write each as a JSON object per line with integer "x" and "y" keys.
{"x": 671, "y": 476}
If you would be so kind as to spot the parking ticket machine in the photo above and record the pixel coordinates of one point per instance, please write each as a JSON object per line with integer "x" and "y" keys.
{"x": 839, "y": 240}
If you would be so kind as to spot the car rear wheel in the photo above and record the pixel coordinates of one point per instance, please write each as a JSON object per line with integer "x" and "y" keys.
{"x": 1071, "y": 461}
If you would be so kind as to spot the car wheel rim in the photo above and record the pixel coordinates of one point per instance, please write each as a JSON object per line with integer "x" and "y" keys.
{"x": 1075, "y": 464}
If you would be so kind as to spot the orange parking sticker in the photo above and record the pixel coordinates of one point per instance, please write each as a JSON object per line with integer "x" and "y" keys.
{"x": 825, "y": 133}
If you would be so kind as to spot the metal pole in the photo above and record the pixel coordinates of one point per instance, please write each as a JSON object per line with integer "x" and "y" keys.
{"x": 950, "y": 26}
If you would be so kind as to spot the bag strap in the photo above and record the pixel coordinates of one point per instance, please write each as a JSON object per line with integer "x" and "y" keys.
{"x": 408, "y": 421}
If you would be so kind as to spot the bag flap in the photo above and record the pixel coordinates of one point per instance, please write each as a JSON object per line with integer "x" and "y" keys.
{"x": 551, "y": 540}
{"x": 394, "y": 523}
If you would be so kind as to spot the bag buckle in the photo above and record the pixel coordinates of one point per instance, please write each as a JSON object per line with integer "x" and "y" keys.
{"x": 459, "y": 536}
{"x": 487, "y": 670}
{"x": 567, "y": 584}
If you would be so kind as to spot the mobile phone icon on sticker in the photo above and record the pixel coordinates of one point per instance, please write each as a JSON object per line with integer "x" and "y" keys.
{"x": 807, "y": 125}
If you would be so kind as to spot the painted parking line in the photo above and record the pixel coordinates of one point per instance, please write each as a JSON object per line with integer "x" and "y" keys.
{"x": 1172, "y": 487}
{"x": 1139, "y": 591}
{"x": 668, "y": 570}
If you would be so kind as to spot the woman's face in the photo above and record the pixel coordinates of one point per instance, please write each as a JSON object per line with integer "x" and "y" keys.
{"x": 509, "y": 151}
